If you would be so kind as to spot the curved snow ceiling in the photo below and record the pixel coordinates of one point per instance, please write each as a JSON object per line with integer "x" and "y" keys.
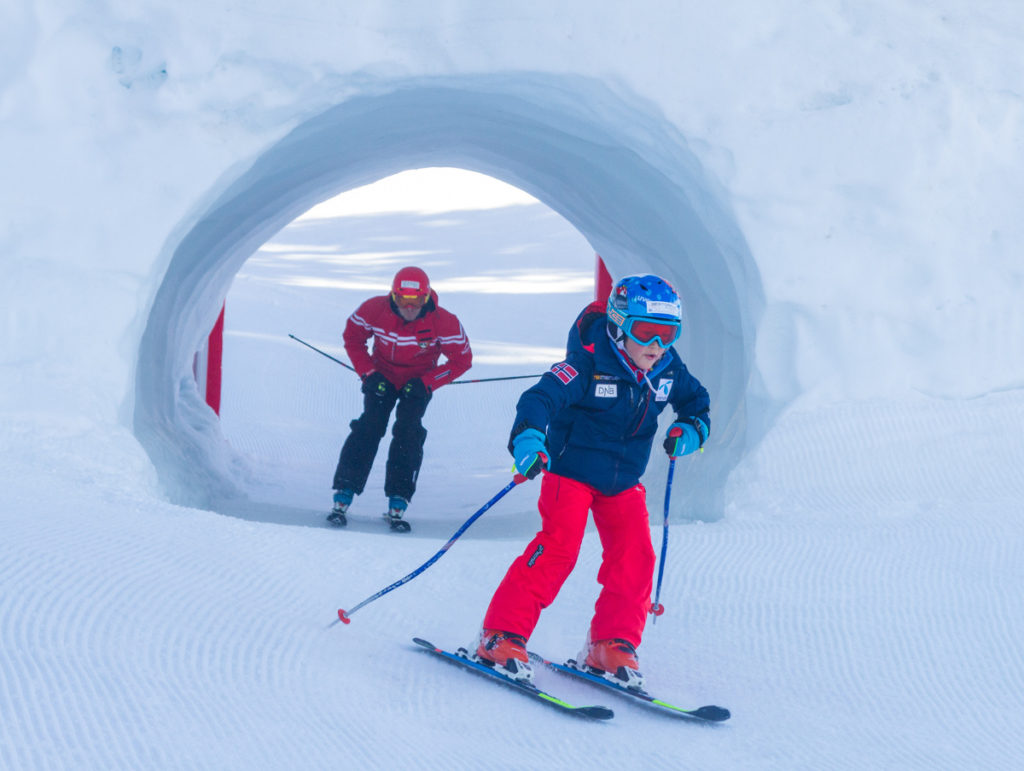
{"x": 608, "y": 162}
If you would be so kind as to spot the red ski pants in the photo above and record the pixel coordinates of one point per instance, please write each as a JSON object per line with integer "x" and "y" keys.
{"x": 627, "y": 564}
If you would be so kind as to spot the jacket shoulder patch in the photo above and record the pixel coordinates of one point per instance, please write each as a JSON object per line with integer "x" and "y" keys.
{"x": 565, "y": 372}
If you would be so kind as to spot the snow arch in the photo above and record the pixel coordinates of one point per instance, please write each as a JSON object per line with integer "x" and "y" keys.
{"x": 605, "y": 160}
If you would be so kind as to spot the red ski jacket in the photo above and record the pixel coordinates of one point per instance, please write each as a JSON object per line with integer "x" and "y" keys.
{"x": 403, "y": 350}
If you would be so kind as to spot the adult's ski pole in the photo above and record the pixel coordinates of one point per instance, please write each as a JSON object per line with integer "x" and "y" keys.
{"x": 454, "y": 382}
{"x": 490, "y": 379}
{"x": 345, "y": 615}
{"x": 657, "y": 608}
{"x": 336, "y": 361}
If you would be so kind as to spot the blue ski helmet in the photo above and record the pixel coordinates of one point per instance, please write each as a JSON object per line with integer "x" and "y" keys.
{"x": 645, "y": 308}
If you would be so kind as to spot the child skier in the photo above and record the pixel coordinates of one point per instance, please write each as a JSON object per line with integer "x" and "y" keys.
{"x": 590, "y": 423}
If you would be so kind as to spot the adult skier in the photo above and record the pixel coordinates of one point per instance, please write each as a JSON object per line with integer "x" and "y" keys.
{"x": 410, "y": 333}
{"x": 589, "y": 423}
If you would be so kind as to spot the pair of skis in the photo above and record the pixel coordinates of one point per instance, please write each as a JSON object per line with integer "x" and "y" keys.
{"x": 338, "y": 519}
{"x": 709, "y": 713}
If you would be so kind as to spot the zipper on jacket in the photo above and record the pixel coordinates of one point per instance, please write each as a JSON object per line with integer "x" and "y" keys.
{"x": 647, "y": 406}
{"x": 634, "y": 407}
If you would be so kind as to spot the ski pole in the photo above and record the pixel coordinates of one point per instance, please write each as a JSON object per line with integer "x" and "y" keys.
{"x": 454, "y": 382}
{"x": 657, "y": 608}
{"x": 491, "y": 379}
{"x": 345, "y": 615}
{"x": 336, "y": 361}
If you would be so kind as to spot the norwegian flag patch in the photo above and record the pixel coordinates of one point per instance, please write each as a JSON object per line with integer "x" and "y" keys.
{"x": 564, "y": 372}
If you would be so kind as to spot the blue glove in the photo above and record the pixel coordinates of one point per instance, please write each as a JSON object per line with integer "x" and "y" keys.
{"x": 529, "y": 452}
{"x": 685, "y": 437}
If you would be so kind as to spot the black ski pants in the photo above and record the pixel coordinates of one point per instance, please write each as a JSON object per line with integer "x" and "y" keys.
{"x": 405, "y": 456}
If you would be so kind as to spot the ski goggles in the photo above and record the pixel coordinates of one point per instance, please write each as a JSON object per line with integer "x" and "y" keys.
{"x": 647, "y": 331}
{"x": 409, "y": 300}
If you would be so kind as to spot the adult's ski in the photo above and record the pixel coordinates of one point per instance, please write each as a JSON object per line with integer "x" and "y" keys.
{"x": 397, "y": 525}
{"x": 709, "y": 713}
{"x": 461, "y": 657}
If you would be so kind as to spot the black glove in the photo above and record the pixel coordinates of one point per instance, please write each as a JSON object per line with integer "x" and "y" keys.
{"x": 416, "y": 389}
{"x": 375, "y": 383}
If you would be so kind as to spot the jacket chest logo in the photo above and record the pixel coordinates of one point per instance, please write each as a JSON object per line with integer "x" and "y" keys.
{"x": 606, "y": 390}
{"x": 663, "y": 390}
{"x": 424, "y": 338}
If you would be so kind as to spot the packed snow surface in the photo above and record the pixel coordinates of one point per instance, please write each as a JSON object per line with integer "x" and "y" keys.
{"x": 834, "y": 189}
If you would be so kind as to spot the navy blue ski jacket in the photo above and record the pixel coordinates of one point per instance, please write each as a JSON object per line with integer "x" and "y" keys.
{"x": 599, "y": 416}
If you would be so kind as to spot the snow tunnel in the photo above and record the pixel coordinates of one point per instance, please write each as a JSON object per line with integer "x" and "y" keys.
{"x": 608, "y": 162}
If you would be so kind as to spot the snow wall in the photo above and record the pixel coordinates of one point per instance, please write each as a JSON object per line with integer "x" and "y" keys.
{"x": 148, "y": 148}
{"x": 607, "y": 161}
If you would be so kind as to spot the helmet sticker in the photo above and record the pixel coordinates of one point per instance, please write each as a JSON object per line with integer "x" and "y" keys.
{"x": 660, "y": 306}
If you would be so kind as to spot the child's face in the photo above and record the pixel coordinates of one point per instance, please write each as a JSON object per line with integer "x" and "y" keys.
{"x": 644, "y": 356}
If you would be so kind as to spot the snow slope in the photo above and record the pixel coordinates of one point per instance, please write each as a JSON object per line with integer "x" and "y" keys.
{"x": 854, "y": 609}
{"x": 853, "y": 173}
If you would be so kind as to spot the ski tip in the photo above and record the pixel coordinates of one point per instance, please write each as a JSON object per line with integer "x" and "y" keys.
{"x": 711, "y": 713}
{"x": 343, "y": 617}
